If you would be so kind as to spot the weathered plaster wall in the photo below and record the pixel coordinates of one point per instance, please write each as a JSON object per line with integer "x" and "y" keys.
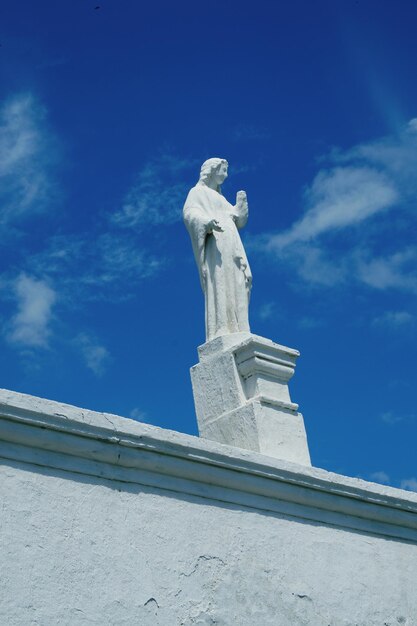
{"x": 77, "y": 548}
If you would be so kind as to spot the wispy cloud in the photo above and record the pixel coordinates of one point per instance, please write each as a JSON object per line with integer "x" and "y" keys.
{"x": 392, "y": 417}
{"x": 112, "y": 259}
{"x": 266, "y": 311}
{"x": 120, "y": 255}
{"x": 106, "y": 263}
{"x": 380, "y": 477}
{"x": 394, "y": 154}
{"x": 412, "y": 125}
{"x": 27, "y": 152}
{"x": 97, "y": 266}
{"x": 355, "y": 204}
{"x": 96, "y": 356}
{"x": 250, "y": 132}
{"x": 396, "y": 271}
{"x": 157, "y": 195}
{"x": 30, "y": 327}
{"x": 138, "y": 415}
{"x": 310, "y": 323}
{"x": 393, "y": 319}
{"x": 410, "y": 484}
{"x": 338, "y": 198}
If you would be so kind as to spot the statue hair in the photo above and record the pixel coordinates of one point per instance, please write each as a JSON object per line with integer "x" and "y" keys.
{"x": 208, "y": 168}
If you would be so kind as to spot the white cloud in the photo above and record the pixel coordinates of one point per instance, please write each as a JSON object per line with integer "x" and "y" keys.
{"x": 96, "y": 356}
{"x": 110, "y": 261}
{"x": 267, "y": 310}
{"x": 395, "y": 155}
{"x": 314, "y": 267}
{"x": 389, "y": 417}
{"x": 157, "y": 196}
{"x": 393, "y": 319}
{"x": 322, "y": 264}
{"x": 99, "y": 266}
{"x": 138, "y": 415}
{"x": 409, "y": 483}
{"x": 394, "y": 271}
{"x": 310, "y": 323}
{"x": 339, "y": 198}
{"x": 30, "y": 326}
{"x": 380, "y": 477}
{"x": 121, "y": 255}
{"x": 26, "y": 153}
{"x": 359, "y": 216}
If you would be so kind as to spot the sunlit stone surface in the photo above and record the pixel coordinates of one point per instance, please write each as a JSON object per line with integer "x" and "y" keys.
{"x": 240, "y": 385}
{"x": 222, "y": 264}
{"x": 108, "y": 521}
{"x": 242, "y": 399}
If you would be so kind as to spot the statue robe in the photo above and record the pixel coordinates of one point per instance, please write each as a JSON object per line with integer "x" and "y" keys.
{"x": 221, "y": 260}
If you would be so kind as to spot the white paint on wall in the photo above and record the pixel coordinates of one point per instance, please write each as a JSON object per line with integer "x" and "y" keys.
{"x": 107, "y": 521}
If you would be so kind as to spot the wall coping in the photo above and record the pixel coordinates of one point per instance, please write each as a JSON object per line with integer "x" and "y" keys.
{"x": 50, "y": 434}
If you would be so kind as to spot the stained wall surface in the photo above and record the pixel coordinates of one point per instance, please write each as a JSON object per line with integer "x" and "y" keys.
{"x": 79, "y": 548}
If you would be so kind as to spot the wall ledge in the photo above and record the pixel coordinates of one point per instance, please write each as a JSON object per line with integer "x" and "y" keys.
{"x": 63, "y": 437}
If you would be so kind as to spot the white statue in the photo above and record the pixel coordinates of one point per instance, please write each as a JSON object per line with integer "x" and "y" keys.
{"x": 224, "y": 270}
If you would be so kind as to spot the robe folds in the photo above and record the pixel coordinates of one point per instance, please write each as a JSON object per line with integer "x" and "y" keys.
{"x": 221, "y": 260}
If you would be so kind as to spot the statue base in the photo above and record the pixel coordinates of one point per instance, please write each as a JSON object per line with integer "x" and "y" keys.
{"x": 241, "y": 396}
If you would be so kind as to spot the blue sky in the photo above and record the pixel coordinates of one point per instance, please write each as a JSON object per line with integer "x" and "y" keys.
{"x": 105, "y": 117}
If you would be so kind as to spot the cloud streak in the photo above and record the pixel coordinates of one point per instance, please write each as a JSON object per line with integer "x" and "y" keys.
{"x": 396, "y": 271}
{"x": 394, "y": 319}
{"x": 380, "y": 477}
{"x": 125, "y": 247}
{"x": 98, "y": 266}
{"x": 106, "y": 263}
{"x": 250, "y": 132}
{"x": 410, "y": 484}
{"x": 96, "y": 356}
{"x": 355, "y": 204}
{"x": 157, "y": 195}
{"x": 338, "y": 198}
{"x": 26, "y": 149}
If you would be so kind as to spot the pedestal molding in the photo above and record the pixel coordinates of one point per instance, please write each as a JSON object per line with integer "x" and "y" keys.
{"x": 242, "y": 398}
{"x": 291, "y": 407}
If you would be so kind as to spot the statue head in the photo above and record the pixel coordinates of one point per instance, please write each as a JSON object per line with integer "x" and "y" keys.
{"x": 213, "y": 173}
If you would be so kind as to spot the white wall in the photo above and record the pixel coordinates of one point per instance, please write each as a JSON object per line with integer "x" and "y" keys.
{"x": 157, "y": 547}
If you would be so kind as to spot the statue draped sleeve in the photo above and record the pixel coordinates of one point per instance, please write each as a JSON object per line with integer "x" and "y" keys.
{"x": 197, "y": 216}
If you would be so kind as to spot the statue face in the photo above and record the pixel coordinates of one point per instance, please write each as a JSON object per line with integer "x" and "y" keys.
{"x": 221, "y": 174}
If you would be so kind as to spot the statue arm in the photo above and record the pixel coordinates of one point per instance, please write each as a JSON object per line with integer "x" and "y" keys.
{"x": 198, "y": 220}
{"x": 241, "y": 209}
{"x": 197, "y": 214}
{"x": 199, "y": 226}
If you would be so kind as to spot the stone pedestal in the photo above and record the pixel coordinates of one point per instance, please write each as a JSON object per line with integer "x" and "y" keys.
{"x": 241, "y": 396}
